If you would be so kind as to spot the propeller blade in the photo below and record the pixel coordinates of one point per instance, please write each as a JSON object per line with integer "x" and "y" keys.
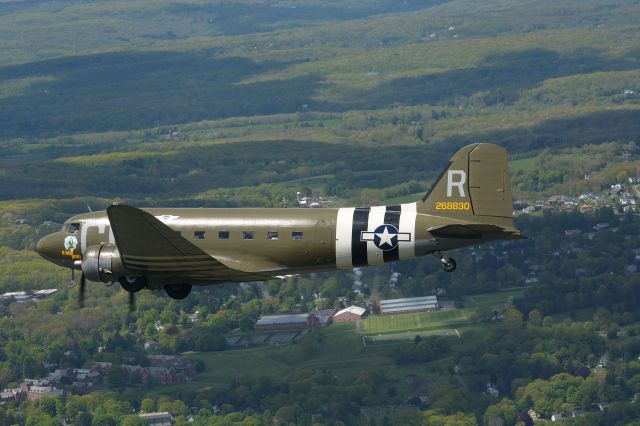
{"x": 132, "y": 301}
{"x": 83, "y": 284}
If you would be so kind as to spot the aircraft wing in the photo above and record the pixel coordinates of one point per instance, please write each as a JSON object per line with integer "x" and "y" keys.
{"x": 473, "y": 231}
{"x": 148, "y": 245}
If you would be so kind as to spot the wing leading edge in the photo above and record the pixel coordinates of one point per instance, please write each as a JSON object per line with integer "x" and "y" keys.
{"x": 153, "y": 248}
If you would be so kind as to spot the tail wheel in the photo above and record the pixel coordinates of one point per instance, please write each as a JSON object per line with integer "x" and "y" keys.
{"x": 133, "y": 283}
{"x": 449, "y": 264}
{"x": 177, "y": 291}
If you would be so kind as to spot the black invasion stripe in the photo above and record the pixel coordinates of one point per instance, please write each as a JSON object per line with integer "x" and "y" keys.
{"x": 359, "y": 248}
{"x": 392, "y": 217}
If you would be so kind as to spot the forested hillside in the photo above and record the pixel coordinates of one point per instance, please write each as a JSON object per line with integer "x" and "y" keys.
{"x": 244, "y": 103}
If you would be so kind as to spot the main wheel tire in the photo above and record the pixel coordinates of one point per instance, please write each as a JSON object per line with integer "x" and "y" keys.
{"x": 177, "y": 291}
{"x": 449, "y": 265}
{"x": 133, "y": 283}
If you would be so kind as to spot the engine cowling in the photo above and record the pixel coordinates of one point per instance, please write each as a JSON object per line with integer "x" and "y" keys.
{"x": 102, "y": 263}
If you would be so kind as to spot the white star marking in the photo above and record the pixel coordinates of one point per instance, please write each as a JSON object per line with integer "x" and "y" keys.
{"x": 385, "y": 237}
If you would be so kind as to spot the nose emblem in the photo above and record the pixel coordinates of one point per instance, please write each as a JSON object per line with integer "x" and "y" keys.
{"x": 70, "y": 243}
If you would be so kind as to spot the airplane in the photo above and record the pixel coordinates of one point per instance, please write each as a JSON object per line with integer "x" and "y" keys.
{"x": 176, "y": 248}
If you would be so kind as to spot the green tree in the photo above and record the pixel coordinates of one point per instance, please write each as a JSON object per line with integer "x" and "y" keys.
{"x": 147, "y": 405}
{"x": 501, "y": 414}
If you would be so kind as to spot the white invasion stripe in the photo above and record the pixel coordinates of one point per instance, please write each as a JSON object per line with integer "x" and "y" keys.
{"x": 376, "y": 218}
{"x": 344, "y": 224}
{"x": 407, "y": 249}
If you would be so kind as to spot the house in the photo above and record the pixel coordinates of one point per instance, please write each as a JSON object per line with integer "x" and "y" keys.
{"x": 587, "y": 209}
{"x": 16, "y": 394}
{"x": 352, "y": 313}
{"x": 410, "y": 304}
{"x": 161, "y": 375}
{"x": 288, "y": 322}
{"x": 45, "y": 293}
{"x": 491, "y": 390}
{"x": 37, "y": 392}
{"x": 325, "y": 317}
{"x": 18, "y": 296}
{"x": 533, "y": 415}
{"x": 163, "y": 418}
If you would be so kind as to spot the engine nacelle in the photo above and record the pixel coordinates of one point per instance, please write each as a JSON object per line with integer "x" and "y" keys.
{"x": 102, "y": 263}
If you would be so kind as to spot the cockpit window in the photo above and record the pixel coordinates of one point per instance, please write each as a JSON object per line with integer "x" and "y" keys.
{"x": 73, "y": 227}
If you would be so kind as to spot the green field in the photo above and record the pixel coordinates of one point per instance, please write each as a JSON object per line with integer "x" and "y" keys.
{"x": 415, "y": 322}
{"x": 408, "y": 337}
{"x": 446, "y": 319}
{"x": 342, "y": 350}
{"x": 494, "y": 300}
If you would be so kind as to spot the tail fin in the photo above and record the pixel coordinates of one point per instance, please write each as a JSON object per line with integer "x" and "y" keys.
{"x": 475, "y": 186}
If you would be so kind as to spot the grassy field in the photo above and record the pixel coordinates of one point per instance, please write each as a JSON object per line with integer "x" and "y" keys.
{"x": 408, "y": 337}
{"x": 420, "y": 321}
{"x": 492, "y": 300}
{"x": 341, "y": 349}
{"x": 431, "y": 321}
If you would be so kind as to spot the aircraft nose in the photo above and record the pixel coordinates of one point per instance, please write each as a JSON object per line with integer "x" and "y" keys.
{"x": 49, "y": 246}
{"x": 60, "y": 248}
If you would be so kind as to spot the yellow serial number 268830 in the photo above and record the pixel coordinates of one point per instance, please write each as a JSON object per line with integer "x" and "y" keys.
{"x": 453, "y": 205}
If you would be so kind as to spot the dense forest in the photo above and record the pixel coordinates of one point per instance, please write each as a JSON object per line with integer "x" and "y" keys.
{"x": 243, "y": 104}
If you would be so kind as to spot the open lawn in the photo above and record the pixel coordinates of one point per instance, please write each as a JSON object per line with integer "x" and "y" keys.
{"x": 492, "y": 300}
{"x": 340, "y": 350}
{"x": 445, "y": 319}
{"x": 421, "y": 321}
{"x": 409, "y": 336}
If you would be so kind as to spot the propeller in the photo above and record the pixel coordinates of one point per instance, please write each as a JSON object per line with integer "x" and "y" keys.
{"x": 83, "y": 281}
{"x": 83, "y": 285}
{"x": 132, "y": 301}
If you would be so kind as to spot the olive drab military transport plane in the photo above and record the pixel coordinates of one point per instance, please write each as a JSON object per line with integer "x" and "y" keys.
{"x": 176, "y": 248}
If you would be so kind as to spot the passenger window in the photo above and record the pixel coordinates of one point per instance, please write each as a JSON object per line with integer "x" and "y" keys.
{"x": 198, "y": 235}
{"x": 297, "y": 235}
{"x": 73, "y": 227}
{"x": 272, "y": 235}
{"x": 247, "y": 235}
{"x": 223, "y": 235}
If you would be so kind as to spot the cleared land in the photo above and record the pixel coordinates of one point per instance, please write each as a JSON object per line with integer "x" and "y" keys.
{"x": 426, "y": 321}
{"x": 340, "y": 349}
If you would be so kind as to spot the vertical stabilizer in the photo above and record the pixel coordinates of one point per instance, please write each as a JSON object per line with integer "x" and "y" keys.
{"x": 475, "y": 184}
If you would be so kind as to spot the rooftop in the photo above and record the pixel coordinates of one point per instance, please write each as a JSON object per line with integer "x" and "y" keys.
{"x": 352, "y": 309}
{"x": 283, "y": 319}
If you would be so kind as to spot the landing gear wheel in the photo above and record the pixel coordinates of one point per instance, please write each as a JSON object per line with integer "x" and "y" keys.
{"x": 449, "y": 264}
{"x": 177, "y": 291}
{"x": 133, "y": 283}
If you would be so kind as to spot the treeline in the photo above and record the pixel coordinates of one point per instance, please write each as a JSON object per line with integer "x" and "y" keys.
{"x": 200, "y": 169}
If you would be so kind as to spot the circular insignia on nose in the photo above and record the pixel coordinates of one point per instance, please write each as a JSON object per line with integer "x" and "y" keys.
{"x": 70, "y": 242}
{"x": 385, "y": 237}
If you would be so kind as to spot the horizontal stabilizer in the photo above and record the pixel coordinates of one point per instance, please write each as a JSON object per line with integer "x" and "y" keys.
{"x": 473, "y": 231}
